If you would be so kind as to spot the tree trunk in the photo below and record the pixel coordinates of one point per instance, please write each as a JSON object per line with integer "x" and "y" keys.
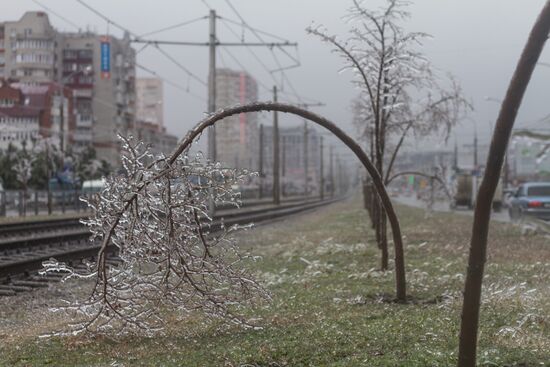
{"x": 383, "y": 224}
{"x": 501, "y": 135}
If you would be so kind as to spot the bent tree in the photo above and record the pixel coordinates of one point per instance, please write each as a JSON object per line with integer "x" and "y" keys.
{"x": 480, "y": 228}
{"x": 378, "y": 181}
{"x": 152, "y": 215}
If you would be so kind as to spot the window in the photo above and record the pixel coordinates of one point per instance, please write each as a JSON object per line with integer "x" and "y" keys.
{"x": 538, "y": 191}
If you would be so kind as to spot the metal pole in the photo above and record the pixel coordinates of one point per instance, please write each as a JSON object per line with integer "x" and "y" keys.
{"x": 3, "y": 203}
{"x": 322, "y": 179}
{"x": 212, "y": 154}
{"x": 305, "y": 160}
{"x": 261, "y": 162}
{"x": 331, "y": 172}
{"x": 212, "y": 85}
{"x": 276, "y": 184}
{"x": 48, "y": 174}
{"x": 36, "y": 203}
{"x": 283, "y": 165}
{"x": 62, "y": 130}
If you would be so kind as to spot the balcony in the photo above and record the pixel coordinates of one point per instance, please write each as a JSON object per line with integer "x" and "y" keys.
{"x": 83, "y": 136}
{"x": 84, "y": 121}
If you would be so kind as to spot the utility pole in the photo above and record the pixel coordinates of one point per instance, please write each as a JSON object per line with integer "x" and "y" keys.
{"x": 261, "y": 163}
{"x": 49, "y": 175}
{"x": 276, "y": 185}
{"x": 212, "y": 84}
{"x": 339, "y": 175}
{"x": 62, "y": 129}
{"x": 455, "y": 158}
{"x": 283, "y": 165}
{"x": 331, "y": 171}
{"x": 321, "y": 177}
{"x": 306, "y": 173}
{"x": 212, "y": 44}
{"x": 475, "y": 150}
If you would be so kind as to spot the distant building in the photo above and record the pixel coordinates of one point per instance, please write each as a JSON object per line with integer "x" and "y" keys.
{"x": 99, "y": 71}
{"x": 159, "y": 141}
{"x": 292, "y": 159}
{"x": 150, "y": 99}
{"x": 237, "y": 136}
{"x": 29, "y": 49}
{"x": 29, "y": 112}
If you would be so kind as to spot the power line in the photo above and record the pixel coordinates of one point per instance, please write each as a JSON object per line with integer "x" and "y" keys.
{"x": 56, "y": 14}
{"x": 167, "y": 81}
{"x": 271, "y": 50}
{"x": 174, "y": 26}
{"x": 189, "y": 73}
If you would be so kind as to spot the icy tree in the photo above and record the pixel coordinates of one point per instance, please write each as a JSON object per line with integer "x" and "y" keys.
{"x": 399, "y": 92}
{"x": 160, "y": 251}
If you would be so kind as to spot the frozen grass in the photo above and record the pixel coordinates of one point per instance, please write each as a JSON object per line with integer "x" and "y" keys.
{"x": 331, "y": 305}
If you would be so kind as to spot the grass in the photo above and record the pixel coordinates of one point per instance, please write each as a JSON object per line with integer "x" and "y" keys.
{"x": 330, "y": 303}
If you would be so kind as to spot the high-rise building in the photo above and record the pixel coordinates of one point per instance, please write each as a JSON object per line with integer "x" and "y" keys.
{"x": 291, "y": 155}
{"x": 29, "y": 49}
{"x": 237, "y": 136}
{"x": 99, "y": 71}
{"x": 149, "y": 97}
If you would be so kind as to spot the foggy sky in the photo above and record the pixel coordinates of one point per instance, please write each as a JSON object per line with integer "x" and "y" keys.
{"x": 479, "y": 42}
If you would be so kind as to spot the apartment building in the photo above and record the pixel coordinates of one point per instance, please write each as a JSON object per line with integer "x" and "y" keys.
{"x": 30, "y": 112}
{"x": 237, "y": 136}
{"x": 29, "y": 49}
{"x": 101, "y": 71}
{"x": 149, "y": 96}
{"x": 98, "y": 69}
{"x": 292, "y": 155}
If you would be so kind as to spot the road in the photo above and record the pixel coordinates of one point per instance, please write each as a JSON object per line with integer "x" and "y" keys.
{"x": 443, "y": 206}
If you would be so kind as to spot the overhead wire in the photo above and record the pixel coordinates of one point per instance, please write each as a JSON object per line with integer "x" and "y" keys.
{"x": 178, "y": 25}
{"x": 163, "y": 52}
{"x": 56, "y": 14}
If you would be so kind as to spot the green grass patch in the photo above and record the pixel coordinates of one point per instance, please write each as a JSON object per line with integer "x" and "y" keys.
{"x": 331, "y": 304}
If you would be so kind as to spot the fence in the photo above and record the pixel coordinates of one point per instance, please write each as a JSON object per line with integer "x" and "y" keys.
{"x": 31, "y": 202}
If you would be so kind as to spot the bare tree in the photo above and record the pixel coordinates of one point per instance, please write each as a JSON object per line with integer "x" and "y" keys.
{"x": 152, "y": 216}
{"x": 501, "y": 135}
{"x": 172, "y": 256}
{"x": 399, "y": 92}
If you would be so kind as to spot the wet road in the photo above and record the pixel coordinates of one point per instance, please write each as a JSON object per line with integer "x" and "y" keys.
{"x": 443, "y": 206}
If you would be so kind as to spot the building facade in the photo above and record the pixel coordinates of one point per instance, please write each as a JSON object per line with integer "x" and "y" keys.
{"x": 31, "y": 112}
{"x": 149, "y": 97}
{"x": 292, "y": 156}
{"x": 237, "y": 136}
{"x": 99, "y": 71}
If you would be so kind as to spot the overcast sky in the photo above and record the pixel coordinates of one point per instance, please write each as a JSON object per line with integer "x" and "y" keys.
{"x": 479, "y": 42}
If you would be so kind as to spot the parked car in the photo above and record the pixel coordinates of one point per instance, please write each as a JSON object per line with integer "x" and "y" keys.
{"x": 531, "y": 199}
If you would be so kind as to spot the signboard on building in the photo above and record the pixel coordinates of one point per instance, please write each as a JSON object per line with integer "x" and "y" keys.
{"x": 105, "y": 47}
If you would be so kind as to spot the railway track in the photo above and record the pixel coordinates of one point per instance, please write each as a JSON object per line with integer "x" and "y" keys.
{"x": 22, "y": 254}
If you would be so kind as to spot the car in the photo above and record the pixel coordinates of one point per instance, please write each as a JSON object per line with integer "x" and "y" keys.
{"x": 531, "y": 199}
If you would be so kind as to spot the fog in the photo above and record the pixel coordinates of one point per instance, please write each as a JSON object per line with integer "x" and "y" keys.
{"x": 478, "y": 42}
